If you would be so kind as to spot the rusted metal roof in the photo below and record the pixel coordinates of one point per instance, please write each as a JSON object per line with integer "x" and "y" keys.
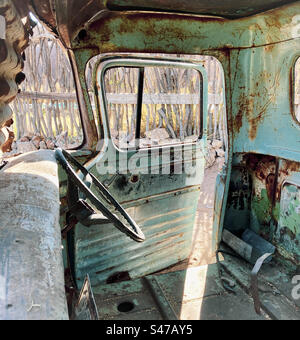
{"x": 67, "y": 17}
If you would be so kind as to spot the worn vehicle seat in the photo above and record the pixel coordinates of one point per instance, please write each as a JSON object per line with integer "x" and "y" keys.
{"x": 31, "y": 266}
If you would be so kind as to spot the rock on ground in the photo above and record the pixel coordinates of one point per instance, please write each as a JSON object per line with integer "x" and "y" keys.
{"x": 157, "y": 134}
{"x": 35, "y": 142}
{"x": 23, "y": 147}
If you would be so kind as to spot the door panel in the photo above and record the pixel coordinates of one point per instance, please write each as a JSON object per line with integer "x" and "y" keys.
{"x": 159, "y": 185}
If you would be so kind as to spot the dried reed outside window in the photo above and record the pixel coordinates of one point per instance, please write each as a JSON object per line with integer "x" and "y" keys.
{"x": 47, "y": 104}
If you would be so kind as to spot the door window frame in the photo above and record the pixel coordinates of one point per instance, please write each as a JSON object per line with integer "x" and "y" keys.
{"x": 113, "y": 62}
{"x": 293, "y": 82}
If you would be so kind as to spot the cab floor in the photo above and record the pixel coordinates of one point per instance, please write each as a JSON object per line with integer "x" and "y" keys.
{"x": 191, "y": 290}
{"x": 196, "y": 293}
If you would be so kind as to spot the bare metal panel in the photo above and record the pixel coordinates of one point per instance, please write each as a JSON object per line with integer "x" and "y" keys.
{"x": 103, "y": 252}
{"x": 67, "y": 17}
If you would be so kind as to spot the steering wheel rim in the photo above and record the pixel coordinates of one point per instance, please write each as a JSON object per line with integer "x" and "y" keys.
{"x": 132, "y": 230}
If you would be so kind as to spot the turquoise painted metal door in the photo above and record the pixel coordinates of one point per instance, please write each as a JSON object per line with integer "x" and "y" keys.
{"x": 151, "y": 160}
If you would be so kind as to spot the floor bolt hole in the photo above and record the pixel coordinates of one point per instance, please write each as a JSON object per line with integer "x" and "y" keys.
{"x": 125, "y": 307}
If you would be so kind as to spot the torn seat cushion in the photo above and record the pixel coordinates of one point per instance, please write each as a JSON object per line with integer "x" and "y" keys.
{"x": 31, "y": 266}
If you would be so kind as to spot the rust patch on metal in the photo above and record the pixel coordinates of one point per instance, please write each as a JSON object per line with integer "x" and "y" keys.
{"x": 128, "y": 22}
{"x": 6, "y": 147}
{"x": 245, "y": 105}
{"x": 268, "y": 95}
{"x": 266, "y": 170}
{"x": 9, "y": 123}
{"x": 286, "y": 169}
{"x": 254, "y": 105}
{"x": 270, "y": 185}
{"x": 263, "y": 167}
{"x": 44, "y": 12}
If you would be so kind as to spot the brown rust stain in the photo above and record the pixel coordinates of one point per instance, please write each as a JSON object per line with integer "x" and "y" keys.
{"x": 263, "y": 167}
{"x": 254, "y": 105}
{"x": 129, "y": 21}
{"x": 9, "y": 123}
{"x": 270, "y": 48}
{"x": 7, "y": 146}
{"x": 286, "y": 169}
{"x": 270, "y": 186}
{"x": 246, "y": 104}
{"x": 274, "y": 20}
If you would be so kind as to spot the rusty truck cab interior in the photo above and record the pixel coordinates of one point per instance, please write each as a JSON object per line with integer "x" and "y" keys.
{"x": 84, "y": 232}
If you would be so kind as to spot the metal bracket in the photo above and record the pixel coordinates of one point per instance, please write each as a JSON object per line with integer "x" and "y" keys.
{"x": 82, "y": 210}
{"x": 86, "y": 215}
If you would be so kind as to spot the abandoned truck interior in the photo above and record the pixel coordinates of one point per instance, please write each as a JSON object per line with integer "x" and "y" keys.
{"x": 94, "y": 231}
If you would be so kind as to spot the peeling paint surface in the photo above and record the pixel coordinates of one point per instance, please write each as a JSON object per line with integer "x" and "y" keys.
{"x": 288, "y": 233}
{"x": 103, "y": 252}
{"x": 31, "y": 268}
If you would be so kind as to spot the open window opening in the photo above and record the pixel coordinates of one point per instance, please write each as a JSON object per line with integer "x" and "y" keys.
{"x": 151, "y": 106}
{"x": 171, "y": 107}
{"x": 46, "y": 113}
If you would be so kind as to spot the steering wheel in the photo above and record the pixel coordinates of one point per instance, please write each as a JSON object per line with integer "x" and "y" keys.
{"x": 118, "y": 216}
